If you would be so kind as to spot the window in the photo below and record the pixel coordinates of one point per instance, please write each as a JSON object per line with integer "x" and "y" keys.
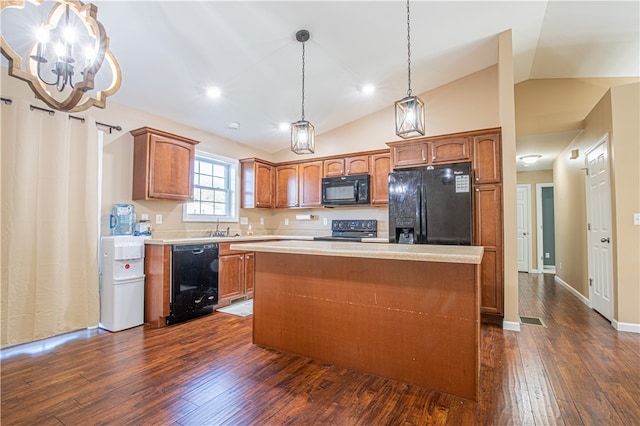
{"x": 214, "y": 190}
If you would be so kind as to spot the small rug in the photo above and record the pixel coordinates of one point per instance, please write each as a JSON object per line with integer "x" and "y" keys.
{"x": 243, "y": 309}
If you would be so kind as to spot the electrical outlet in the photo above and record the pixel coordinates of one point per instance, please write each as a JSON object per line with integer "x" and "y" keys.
{"x": 158, "y": 219}
{"x": 286, "y": 221}
{"x": 262, "y": 221}
{"x": 144, "y": 216}
{"x": 244, "y": 220}
{"x": 636, "y": 219}
{"x": 325, "y": 221}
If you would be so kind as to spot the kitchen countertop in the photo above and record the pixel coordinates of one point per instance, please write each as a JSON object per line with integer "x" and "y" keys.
{"x": 244, "y": 238}
{"x": 420, "y": 253}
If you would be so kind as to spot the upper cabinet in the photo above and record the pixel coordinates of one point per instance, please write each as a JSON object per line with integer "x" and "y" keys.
{"x": 258, "y": 182}
{"x": 287, "y": 186}
{"x": 487, "y": 158}
{"x": 380, "y": 166}
{"x": 162, "y": 165}
{"x": 448, "y": 150}
{"x": 310, "y": 184}
{"x": 354, "y": 165}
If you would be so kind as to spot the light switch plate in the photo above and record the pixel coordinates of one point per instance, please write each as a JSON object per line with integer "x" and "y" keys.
{"x": 262, "y": 221}
{"x": 636, "y": 219}
{"x": 244, "y": 220}
{"x": 286, "y": 221}
{"x": 158, "y": 219}
{"x": 144, "y": 216}
{"x": 325, "y": 221}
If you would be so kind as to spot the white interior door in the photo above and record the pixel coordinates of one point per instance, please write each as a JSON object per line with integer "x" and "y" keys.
{"x": 599, "y": 230}
{"x": 523, "y": 224}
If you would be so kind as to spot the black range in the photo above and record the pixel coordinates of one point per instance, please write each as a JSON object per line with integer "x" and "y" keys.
{"x": 351, "y": 230}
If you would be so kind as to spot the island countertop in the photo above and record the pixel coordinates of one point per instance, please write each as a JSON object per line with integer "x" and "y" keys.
{"x": 409, "y": 252}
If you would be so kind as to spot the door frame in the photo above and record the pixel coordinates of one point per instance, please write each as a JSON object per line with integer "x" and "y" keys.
{"x": 540, "y": 224}
{"x": 604, "y": 140}
{"x": 527, "y": 186}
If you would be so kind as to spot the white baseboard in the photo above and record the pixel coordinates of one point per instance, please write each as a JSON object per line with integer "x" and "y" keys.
{"x": 626, "y": 326}
{"x": 533, "y": 271}
{"x": 510, "y": 325}
{"x": 573, "y": 291}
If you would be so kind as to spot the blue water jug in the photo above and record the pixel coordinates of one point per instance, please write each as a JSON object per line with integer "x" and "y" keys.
{"x": 122, "y": 219}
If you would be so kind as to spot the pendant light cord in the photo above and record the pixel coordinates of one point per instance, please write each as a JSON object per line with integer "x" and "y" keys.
{"x": 408, "y": 51}
{"x": 302, "y": 81}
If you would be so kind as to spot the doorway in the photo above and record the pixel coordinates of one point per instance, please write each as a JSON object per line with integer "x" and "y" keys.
{"x": 546, "y": 240}
{"x": 523, "y": 220}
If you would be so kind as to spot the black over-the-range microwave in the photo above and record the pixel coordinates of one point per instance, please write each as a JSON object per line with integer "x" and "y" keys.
{"x": 345, "y": 190}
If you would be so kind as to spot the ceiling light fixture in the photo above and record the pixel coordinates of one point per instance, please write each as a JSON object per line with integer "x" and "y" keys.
{"x": 214, "y": 92}
{"x": 368, "y": 89}
{"x": 70, "y": 40}
{"x": 530, "y": 159}
{"x": 409, "y": 110}
{"x": 302, "y": 132}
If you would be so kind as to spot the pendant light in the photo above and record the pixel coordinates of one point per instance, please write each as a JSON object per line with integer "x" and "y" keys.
{"x": 409, "y": 110}
{"x": 302, "y": 132}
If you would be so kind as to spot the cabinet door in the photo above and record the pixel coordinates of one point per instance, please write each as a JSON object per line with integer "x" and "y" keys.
{"x": 410, "y": 154}
{"x": 249, "y": 267}
{"x": 380, "y": 168}
{"x": 488, "y": 233}
{"x": 230, "y": 275}
{"x": 264, "y": 178}
{"x": 287, "y": 186}
{"x": 334, "y": 167}
{"x": 356, "y": 165}
{"x": 487, "y": 159}
{"x": 450, "y": 149}
{"x": 310, "y": 176}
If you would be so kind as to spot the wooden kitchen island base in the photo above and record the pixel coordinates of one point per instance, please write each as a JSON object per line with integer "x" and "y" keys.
{"x": 413, "y": 321}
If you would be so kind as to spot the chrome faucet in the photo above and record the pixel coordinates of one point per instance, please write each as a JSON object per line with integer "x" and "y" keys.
{"x": 217, "y": 232}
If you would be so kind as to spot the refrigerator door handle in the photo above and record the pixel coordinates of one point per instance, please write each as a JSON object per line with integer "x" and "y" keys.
{"x": 423, "y": 216}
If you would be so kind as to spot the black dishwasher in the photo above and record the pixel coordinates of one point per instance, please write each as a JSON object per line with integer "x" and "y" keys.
{"x": 194, "y": 281}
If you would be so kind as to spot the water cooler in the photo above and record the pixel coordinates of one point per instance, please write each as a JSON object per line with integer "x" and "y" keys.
{"x": 122, "y": 282}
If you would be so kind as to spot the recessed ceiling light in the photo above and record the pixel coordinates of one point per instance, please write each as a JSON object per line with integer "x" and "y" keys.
{"x": 368, "y": 89}
{"x": 233, "y": 125}
{"x": 214, "y": 92}
{"x": 284, "y": 126}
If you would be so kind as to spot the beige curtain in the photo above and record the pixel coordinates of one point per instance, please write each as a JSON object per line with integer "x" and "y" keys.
{"x": 49, "y": 248}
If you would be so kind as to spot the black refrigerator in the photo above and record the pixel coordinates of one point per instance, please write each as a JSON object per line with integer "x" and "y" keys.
{"x": 431, "y": 205}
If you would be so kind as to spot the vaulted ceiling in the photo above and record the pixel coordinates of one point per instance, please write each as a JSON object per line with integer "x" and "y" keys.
{"x": 170, "y": 52}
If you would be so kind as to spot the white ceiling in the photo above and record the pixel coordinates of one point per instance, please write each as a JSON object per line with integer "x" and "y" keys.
{"x": 171, "y": 51}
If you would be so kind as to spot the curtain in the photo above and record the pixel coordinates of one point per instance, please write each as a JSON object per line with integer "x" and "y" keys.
{"x": 49, "y": 242}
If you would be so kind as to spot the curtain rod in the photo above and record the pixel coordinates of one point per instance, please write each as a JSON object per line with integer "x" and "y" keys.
{"x": 111, "y": 128}
{"x": 6, "y": 101}
{"x": 80, "y": 119}
{"x": 50, "y": 111}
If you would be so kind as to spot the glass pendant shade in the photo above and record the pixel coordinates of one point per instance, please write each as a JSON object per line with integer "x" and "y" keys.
{"x": 409, "y": 117}
{"x": 303, "y": 137}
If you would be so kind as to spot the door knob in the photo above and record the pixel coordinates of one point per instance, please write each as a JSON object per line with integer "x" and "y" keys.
{"x": 604, "y": 240}
{"x": 524, "y": 233}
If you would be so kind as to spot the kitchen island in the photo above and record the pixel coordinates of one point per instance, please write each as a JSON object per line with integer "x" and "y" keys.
{"x": 406, "y": 312}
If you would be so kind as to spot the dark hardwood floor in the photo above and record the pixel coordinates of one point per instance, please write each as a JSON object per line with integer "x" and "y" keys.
{"x": 576, "y": 370}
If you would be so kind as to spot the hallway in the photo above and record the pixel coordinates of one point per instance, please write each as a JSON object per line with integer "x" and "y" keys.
{"x": 577, "y": 370}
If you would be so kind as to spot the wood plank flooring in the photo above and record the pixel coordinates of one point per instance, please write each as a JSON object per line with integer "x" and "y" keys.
{"x": 577, "y": 370}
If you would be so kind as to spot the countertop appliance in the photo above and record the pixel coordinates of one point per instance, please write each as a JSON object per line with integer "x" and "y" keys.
{"x": 431, "y": 205}
{"x": 121, "y": 282}
{"x": 194, "y": 281}
{"x": 345, "y": 190}
{"x": 351, "y": 230}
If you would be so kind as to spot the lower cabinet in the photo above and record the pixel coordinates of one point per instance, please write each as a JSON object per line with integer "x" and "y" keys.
{"x": 235, "y": 276}
{"x": 488, "y": 233}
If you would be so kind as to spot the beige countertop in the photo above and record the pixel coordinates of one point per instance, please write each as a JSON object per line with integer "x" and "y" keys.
{"x": 200, "y": 240}
{"x": 420, "y": 253}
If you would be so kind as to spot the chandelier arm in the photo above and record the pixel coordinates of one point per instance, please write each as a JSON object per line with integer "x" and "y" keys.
{"x": 39, "y": 71}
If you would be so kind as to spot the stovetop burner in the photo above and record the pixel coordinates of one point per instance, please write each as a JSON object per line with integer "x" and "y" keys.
{"x": 351, "y": 230}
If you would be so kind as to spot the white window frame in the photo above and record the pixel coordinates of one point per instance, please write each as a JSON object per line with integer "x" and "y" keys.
{"x": 232, "y": 216}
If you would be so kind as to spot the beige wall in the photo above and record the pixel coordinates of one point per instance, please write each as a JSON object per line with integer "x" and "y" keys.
{"x": 615, "y": 115}
{"x": 532, "y": 179}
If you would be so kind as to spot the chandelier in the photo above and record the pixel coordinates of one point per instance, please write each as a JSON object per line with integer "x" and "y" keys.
{"x": 302, "y": 132}
{"x": 68, "y": 51}
{"x": 409, "y": 110}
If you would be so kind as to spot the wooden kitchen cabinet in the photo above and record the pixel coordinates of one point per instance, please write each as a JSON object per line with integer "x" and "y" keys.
{"x": 236, "y": 274}
{"x": 380, "y": 166}
{"x": 157, "y": 284}
{"x": 162, "y": 165}
{"x": 310, "y": 183}
{"x": 258, "y": 182}
{"x": 409, "y": 154}
{"x": 487, "y": 158}
{"x": 354, "y": 165}
{"x": 488, "y": 233}
{"x": 450, "y": 150}
{"x": 287, "y": 186}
